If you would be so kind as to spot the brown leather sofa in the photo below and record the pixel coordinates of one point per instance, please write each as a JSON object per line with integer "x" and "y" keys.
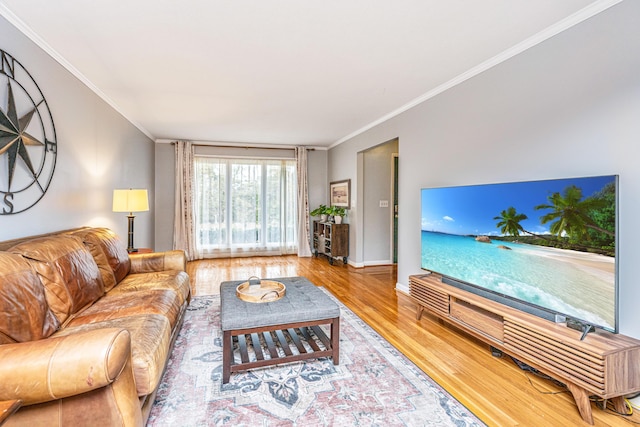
{"x": 85, "y": 329}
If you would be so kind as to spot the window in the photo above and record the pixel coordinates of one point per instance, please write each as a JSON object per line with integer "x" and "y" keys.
{"x": 245, "y": 206}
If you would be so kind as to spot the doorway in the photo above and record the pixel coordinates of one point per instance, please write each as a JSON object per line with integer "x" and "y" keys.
{"x": 378, "y": 198}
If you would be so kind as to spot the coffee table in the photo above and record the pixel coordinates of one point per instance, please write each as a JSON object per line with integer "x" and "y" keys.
{"x": 286, "y": 330}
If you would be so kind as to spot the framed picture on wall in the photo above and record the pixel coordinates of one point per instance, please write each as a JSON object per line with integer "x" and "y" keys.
{"x": 340, "y": 193}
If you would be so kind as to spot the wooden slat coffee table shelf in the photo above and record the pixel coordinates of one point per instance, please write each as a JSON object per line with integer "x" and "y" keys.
{"x": 287, "y": 330}
{"x": 258, "y": 347}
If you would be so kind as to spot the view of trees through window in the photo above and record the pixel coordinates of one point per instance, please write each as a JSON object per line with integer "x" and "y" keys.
{"x": 245, "y": 204}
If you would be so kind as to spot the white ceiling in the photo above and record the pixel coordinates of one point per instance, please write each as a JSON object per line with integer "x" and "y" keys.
{"x": 282, "y": 71}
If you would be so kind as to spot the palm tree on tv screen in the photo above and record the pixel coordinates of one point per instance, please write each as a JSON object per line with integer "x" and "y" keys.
{"x": 510, "y": 222}
{"x": 573, "y": 221}
{"x": 571, "y": 214}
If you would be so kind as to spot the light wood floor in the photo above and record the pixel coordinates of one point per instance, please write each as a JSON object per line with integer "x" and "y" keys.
{"x": 494, "y": 389}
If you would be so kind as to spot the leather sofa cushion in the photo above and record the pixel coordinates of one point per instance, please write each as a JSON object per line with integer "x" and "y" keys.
{"x": 24, "y": 313}
{"x": 150, "y": 342}
{"x": 109, "y": 252}
{"x": 67, "y": 270}
{"x": 177, "y": 281}
{"x": 162, "y": 302}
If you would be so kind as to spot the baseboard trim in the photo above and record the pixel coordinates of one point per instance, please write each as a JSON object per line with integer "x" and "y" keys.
{"x": 368, "y": 263}
{"x": 401, "y": 287}
{"x": 378, "y": 262}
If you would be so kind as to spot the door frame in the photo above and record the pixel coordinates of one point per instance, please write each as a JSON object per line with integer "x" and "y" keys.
{"x": 394, "y": 209}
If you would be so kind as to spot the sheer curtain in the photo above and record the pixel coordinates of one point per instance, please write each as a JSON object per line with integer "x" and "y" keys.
{"x": 183, "y": 227}
{"x": 244, "y": 207}
{"x": 304, "y": 247}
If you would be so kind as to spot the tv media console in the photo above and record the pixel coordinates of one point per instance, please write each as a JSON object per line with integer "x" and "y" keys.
{"x": 603, "y": 364}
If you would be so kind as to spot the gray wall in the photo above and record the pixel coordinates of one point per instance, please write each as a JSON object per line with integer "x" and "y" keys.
{"x": 567, "y": 107}
{"x": 165, "y": 179}
{"x": 98, "y": 150}
{"x": 318, "y": 182}
{"x": 165, "y": 200}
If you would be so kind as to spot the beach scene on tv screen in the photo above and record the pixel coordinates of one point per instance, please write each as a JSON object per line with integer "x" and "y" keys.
{"x": 550, "y": 243}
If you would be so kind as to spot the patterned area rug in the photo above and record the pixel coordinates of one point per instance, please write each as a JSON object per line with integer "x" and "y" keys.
{"x": 374, "y": 385}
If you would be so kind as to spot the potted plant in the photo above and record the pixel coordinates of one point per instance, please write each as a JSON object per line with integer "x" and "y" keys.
{"x": 338, "y": 212}
{"x": 321, "y": 211}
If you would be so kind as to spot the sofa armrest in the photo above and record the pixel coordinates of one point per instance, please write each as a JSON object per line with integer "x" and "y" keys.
{"x": 59, "y": 367}
{"x": 158, "y": 261}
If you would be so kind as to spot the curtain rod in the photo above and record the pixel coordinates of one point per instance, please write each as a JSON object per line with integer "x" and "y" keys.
{"x": 230, "y": 145}
{"x": 249, "y": 147}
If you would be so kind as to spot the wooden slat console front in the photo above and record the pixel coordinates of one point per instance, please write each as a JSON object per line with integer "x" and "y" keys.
{"x": 603, "y": 364}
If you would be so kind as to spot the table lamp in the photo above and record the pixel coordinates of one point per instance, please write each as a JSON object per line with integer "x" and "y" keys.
{"x": 130, "y": 200}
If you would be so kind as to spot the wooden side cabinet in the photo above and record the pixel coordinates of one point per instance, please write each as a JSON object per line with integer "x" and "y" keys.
{"x": 141, "y": 251}
{"x": 8, "y": 408}
{"x": 603, "y": 364}
{"x": 331, "y": 240}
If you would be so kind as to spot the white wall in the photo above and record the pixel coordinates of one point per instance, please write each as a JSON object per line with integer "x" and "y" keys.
{"x": 567, "y": 107}
{"x": 98, "y": 150}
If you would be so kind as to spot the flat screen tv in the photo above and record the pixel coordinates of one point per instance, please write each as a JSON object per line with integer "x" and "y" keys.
{"x": 546, "y": 247}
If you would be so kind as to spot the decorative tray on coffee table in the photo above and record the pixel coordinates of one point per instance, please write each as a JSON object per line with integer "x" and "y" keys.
{"x": 257, "y": 290}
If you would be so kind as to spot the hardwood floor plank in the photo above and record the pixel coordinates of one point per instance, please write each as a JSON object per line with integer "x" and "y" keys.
{"x": 495, "y": 389}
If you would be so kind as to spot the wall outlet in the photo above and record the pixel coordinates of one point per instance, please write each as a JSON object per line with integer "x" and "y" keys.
{"x": 384, "y": 203}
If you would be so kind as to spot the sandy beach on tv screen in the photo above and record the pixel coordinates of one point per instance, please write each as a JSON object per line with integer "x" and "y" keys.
{"x": 598, "y": 265}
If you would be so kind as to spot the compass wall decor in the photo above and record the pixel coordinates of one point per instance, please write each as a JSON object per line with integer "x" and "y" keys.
{"x": 28, "y": 146}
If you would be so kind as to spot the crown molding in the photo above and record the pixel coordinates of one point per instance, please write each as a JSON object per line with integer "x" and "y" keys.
{"x": 40, "y": 42}
{"x": 563, "y": 25}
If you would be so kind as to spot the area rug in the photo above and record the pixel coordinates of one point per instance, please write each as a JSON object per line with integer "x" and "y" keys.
{"x": 374, "y": 384}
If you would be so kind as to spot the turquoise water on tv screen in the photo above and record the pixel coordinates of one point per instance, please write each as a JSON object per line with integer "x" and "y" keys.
{"x": 576, "y": 284}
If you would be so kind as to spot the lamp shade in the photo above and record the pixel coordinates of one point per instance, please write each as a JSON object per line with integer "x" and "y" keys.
{"x": 130, "y": 200}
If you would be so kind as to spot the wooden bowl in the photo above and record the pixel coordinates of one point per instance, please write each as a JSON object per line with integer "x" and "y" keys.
{"x": 258, "y": 291}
